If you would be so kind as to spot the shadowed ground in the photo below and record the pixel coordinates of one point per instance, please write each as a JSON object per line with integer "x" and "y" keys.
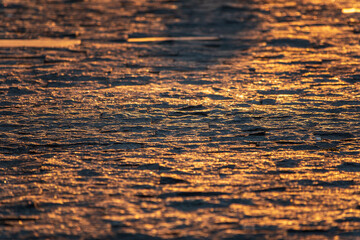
{"x": 249, "y": 133}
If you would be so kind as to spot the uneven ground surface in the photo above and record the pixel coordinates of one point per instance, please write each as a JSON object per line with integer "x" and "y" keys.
{"x": 252, "y": 135}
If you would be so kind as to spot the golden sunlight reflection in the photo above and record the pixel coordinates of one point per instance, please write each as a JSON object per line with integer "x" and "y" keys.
{"x": 351, "y": 10}
{"x": 39, "y": 43}
{"x": 180, "y": 119}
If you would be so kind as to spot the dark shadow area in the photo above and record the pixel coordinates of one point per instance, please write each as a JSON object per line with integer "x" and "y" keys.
{"x": 231, "y": 23}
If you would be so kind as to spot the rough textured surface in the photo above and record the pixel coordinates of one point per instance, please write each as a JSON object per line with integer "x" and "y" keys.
{"x": 254, "y": 135}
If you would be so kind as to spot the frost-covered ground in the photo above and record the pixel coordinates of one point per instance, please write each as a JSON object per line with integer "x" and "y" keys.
{"x": 252, "y": 132}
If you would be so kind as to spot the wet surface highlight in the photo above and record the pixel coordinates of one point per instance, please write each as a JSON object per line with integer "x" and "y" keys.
{"x": 252, "y": 134}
